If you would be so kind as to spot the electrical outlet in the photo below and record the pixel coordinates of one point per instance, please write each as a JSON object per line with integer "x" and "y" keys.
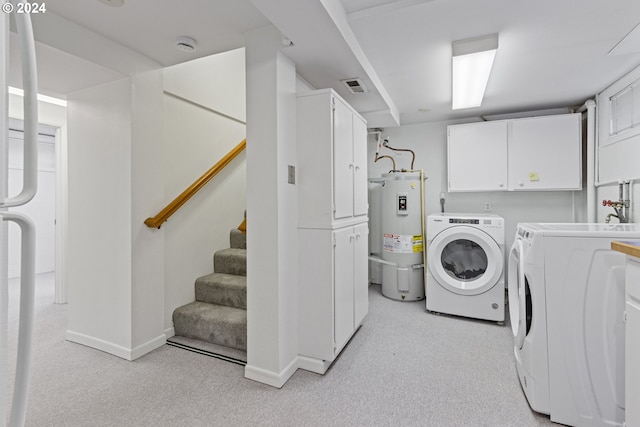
{"x": 487, "y": 206}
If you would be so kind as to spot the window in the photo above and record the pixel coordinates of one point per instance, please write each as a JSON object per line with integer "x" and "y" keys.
{"x": 625, "y": 109}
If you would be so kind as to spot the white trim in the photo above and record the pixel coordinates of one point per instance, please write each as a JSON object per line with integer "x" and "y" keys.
{"x": 273, "y": 379}
{"x": 169, "y": 332}
{"x": 116, "y": 350}
{"x": 314, "y": 365}
{"x": 148, "y": 347}
{"x": 99, "y": 344}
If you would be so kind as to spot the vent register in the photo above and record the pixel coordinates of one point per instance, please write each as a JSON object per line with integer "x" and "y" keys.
{"x": 355, "y": 86}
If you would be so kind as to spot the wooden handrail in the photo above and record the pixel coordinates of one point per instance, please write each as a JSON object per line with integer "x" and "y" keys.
{"x": 171, "y": 208}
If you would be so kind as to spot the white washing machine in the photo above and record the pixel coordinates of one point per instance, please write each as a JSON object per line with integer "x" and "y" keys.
{"x": 465, "y": 259}
{"x": 566, "y": 304}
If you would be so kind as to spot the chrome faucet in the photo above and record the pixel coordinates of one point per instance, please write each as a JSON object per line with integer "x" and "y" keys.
{"x": 621, "y": 207}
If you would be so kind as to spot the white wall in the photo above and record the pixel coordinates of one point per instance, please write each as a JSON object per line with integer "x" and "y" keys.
{"x": 195, "y": 138}
{"x": 100, "y": 223}
{"x": 147, "y": 190}
{"x": 429, "y": 141}
{"x": 115, "y": 263}
{"x": 272, "y": 345}
{"x": 216, "y": 81}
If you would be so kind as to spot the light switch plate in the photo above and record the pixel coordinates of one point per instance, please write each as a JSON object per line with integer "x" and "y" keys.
{"x": 292, "y": 174}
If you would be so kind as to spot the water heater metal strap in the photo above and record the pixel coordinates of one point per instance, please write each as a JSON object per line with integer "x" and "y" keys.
{"x": 394, "y": 264}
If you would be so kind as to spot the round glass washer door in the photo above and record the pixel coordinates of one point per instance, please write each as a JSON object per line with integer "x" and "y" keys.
{"x": 465, "y": 260}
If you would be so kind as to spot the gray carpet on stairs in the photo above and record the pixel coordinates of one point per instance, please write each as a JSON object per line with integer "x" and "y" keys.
{"x": 218, "y": 315}
{"x": 222, "y": 289}
{"x": 237, "y": 239}
{"x": 217, "y": 324}
{"x": 230, "y": 261}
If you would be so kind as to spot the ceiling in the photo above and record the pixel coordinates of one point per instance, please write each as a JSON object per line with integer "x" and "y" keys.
{"x": 551, "y": 53}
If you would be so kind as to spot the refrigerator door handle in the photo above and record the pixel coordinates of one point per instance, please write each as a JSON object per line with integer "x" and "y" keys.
{"x": 30, "y": 85}
{"x": 27, "y": 300}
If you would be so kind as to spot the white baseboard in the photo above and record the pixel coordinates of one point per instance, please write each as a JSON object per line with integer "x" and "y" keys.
{"x": 148, "y": 347}
{"x": 274, "y": 379}
{"x": 98, "y": 344}
{"x": 314, "y": 365}
{"x": 169, "y": 332}
{"x": 115, "y": 349}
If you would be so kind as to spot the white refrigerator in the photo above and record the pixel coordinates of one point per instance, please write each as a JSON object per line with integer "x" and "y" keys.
{"x": 27, "y": 229}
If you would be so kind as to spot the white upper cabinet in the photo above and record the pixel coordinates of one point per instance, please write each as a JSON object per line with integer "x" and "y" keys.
{"x": 545, "y": 153}
{"x": 477, "y": 156}
{"x": 537, "y": 153}
{"x": 332, "y": 161}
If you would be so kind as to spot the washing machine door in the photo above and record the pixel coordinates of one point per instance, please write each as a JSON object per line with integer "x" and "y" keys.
{"x": 516, "y": 290}
{"x": 465, "y": 260}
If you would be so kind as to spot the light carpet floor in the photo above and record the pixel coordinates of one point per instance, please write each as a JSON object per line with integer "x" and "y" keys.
{"x": 404, "y": 367}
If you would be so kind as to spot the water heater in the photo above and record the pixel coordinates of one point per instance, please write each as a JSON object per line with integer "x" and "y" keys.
{"x": 402, "y": 236}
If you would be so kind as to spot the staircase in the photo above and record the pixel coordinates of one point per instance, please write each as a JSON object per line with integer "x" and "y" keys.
{"x": 219, "y": 313}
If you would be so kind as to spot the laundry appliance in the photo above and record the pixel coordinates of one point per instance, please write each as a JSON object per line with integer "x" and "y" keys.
{"x": 566, "y": 305}
{"x": 465, "y": 260}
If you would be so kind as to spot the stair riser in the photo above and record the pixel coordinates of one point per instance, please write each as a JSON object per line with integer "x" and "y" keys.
{"x": 230, "y": 263}
{"x": 199, "y": 323}
{"x": 221, "y": 293}
{"x": 238, "y": 239}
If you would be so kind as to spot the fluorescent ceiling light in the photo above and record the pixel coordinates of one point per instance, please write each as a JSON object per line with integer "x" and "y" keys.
{"x": 41, "y": 98}
{"x": 629, "y": 43}
{"x": 471, "y": 62}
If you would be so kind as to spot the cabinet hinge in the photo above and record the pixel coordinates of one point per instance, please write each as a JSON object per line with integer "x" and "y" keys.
{"x": 624, "y": 316}
{"x": 334, "y": 242}
{"x": 334, "y": 345}
{"x": 333, "y": 208}
{"x": 333, "y": 104}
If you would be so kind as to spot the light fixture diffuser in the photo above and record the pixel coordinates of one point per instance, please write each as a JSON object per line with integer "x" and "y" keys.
{"x": 472, "y": 60}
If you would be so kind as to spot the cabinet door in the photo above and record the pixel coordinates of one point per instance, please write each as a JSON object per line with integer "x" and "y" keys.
{"x": 477, "y": 156}
{"x": 343, "y": 285}
{"x": 360, "y": 274}
{"x": 342, "y": 161}
{"x": 360, "y": 182}
{"x": 545, "y": 153}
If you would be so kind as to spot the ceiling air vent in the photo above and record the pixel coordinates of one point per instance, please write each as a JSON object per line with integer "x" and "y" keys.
{"x": 355, "y": 86}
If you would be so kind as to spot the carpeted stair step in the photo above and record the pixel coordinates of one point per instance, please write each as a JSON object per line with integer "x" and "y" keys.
{"x": 230, "y": 261}
{"x": 217, "y": 324}
{"x": 222, "y": 289}
{"x": 238, "y": 239}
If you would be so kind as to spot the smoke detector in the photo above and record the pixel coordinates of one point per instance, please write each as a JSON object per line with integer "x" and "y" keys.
{"x": 355, "y": 86}
{"x": 186, "y": 44}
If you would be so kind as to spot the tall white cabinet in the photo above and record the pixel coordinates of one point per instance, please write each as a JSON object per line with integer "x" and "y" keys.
{"x": 332, "y": 226}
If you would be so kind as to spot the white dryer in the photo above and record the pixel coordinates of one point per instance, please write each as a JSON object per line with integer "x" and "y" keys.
{"x": 465, "y": 259}
{"x": 566, "y": 303}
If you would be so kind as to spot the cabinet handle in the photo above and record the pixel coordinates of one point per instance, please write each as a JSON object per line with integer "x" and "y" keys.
{"x": 357, "y": 235}
{"x": 351, "y": 238}
{"x": 351, "y": 165}
{"x": 357, "y": 168}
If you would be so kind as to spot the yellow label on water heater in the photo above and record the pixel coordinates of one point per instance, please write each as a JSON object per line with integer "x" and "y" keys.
{"x": 533, "y": 176}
